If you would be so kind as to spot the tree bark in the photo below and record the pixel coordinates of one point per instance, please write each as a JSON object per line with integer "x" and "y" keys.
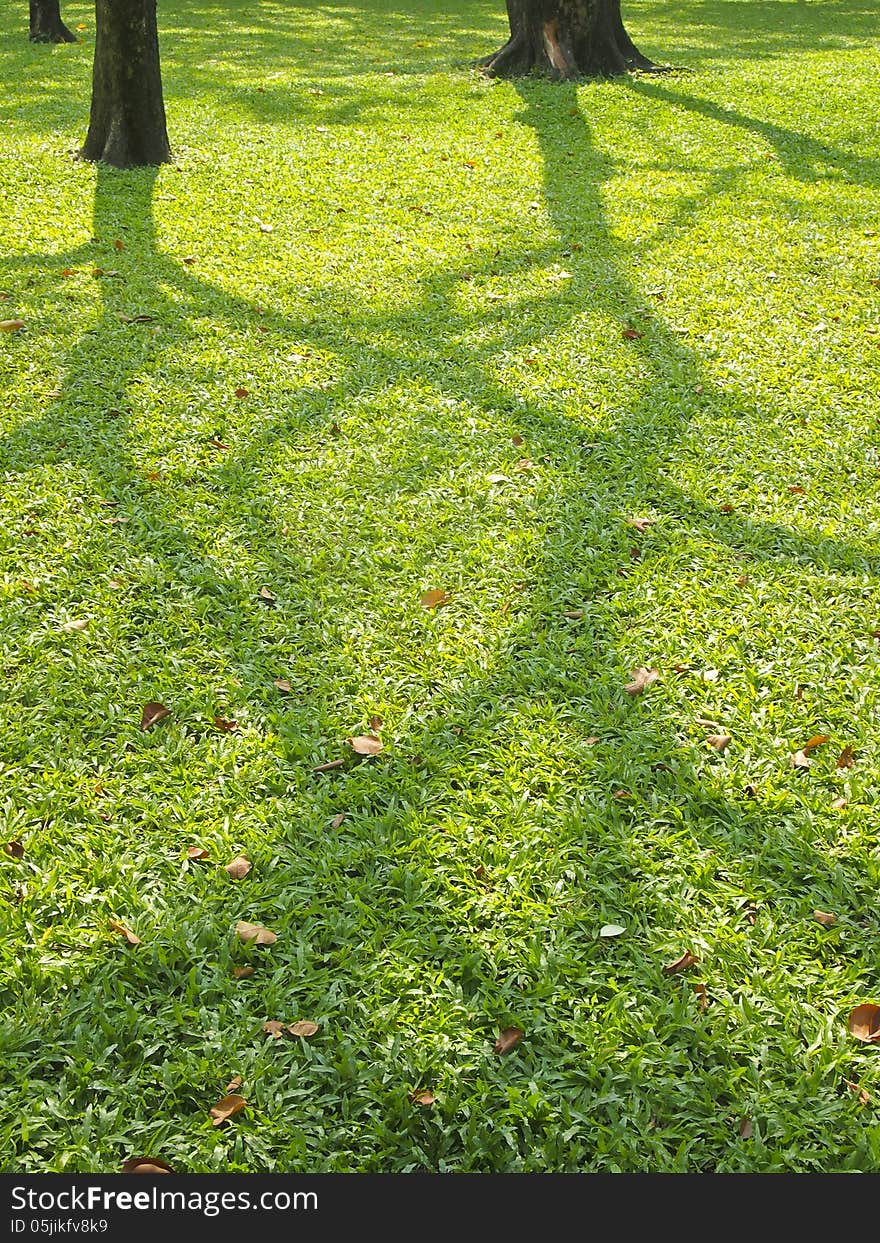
{"x": 127, "y": 127}
{"x": 565, "y": 39}
{"x": 46, "y": 23}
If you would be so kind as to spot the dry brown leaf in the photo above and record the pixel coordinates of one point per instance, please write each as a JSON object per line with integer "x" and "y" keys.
{"x": 705, "y": 722}
{"x": 216, "y": 443}
{"x": 796, "y": 489}
{"x": 641, "y": 678}
{"x": 130, "y": 936}
{"x": 224, "y": 724}
{"x": 423, "y": 1098}
{"x": 745, "y": 1129}
{"x": 11, "y": 325}
{"x": 152, "y": 713}
{"x": 255, "y": 932}
{"x": 517, "y": 440}
{"x": 818, "y": 740}
{"x": 145, "y": 1165}
{"x": 365, "y": 744}
{"x": 631, "y": 334}
{"x": 196, "y": 852}
{"x": 509, "y": 1039}
{"x": 621, "y": 795}
{"x": 273, "y": 1028}
{"x": 719, "y": 741}
{"x": 234, "y": 1084}
{"x": 337, "y": 820}
{"x": 282, "y": 684}
{"x": 305, "y": 1028}
{"x": 496, "y": 477}
{"x": 433, "y": 599}
{"x": 640, "y": 524}
{"x": 800, "y": 759}
{"x": 824, "y": 918}
{"x": 574, "y": 614}
{"x": 702, "y": 995}
{"x": 524, "y": 465}
{"x": 325, "y": 768}
{"x": 864, "y": 1098}
{"x": 242, "y": 973}
{"x": 225, "y": 1108}
{"x": 72, "y": 626}
{"x": 239, "y": 867}
{"x": 591, "y": 741}
{"x": 839, "y": 803}
{"x": 376, "y": 722}
{"x": 864, "y": 1023}
{"x": 14, "y": 848}
{"x": 119, "y": 244}
{"x": 241, "y": 392}
{"x": 847, "y": 758}
{"x": 682, "y": 963}
{"x": 265, "y": 594}
{"x": 726, "y": 508}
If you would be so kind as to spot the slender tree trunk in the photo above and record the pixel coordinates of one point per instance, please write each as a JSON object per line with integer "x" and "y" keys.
{"x": 565, "y": 39}
{"x": 46, "y": 23}
{"x": 127, "y": 126}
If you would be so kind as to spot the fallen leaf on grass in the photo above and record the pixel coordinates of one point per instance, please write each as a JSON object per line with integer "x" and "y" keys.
{"x": 135, "y": 319}
{"x": 11, "y": 325}
{"x": 225, "y": 1108}
{"x": 611, "y": 930}
{"x": 574, "y": 614}
{"x": 839, "y": 803}
{"x": 153, "y": 713}
{"x": 365, "y": 744}
{"x": 282, "y": 684}
{"x": 242, "y": 392}
{"x": 800, "y": 759}
{"x": 234, "y": 1084}
{"x": 864, "y": 1023}
{"x": 719, "y": 741}
{"x": 304, "y": 1028}
{"x": 847, "y": 758}
{"x": 376, "y": 722}
{"x": 497, "y": 477}
{"x": 131, "y": 937}
{"x": 215, "y": 443}
{"x": 796, "y": 489}
{"x": 864, "y": 1098}
{"x": 265, "y": 594}
{"x": 524, "y": 465}
{"x": 640, "y": 524}
{"x": 255, "y": 932}
{"x": 433, "y": 599}
{"x": 508, "y": 1039}
{"x": 631, "y": 334}
{"x": 818, "y": 740}
{"x": 640, "y": 679}
{"x": 273, "y": 1028}
{"x": 745, "y": 1129}
{"x": 702, "y": 995}
{"x": 517, "y": 440}
{"x": 145, "y": 1165}
{"x": 14, "y": 848}
{"x": 423, "y": 1098}
{"x": 337, "y": 820}
{"x": 239, "y": 867}
{"x": 227, "y": 726}
{"x": 241, "y": 973}
{"x": 825, "y": 918}
{"x": 196, "y": 852}
{"x": 686, "y": 960}
{"x": 72, "y": 627}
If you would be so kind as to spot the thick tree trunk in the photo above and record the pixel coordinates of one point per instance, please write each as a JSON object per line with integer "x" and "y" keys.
{"x": 565, "y": 39}
{"x": 46, "y": 23}
{"x": 127, "y": 126}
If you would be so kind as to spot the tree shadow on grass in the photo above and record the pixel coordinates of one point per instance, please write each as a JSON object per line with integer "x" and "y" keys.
{"x": 423, "y": 819}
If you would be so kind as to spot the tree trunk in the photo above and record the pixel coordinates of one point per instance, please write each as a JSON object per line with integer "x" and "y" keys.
{"x": 46, "y": 23}
{"x": 565, "y": 39}
{"x": 127, "y": 125}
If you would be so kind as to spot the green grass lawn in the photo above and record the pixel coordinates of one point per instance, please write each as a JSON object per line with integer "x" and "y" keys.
{"x": 477, "y": 329}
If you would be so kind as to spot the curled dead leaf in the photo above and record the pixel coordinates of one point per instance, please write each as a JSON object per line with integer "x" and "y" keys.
{"x": 839, "y": 803}
{"x": 71, "y": 627}
{"x": 226, "y": 1108}
{"x": 254, "y": 932}
{"x": 702, "y": 995}
{"x": 282, "y": 684}
{"x": 241, "y": 392}
{"x": 153, "y": 713}
{"x": 234, "y": 1084}
{"x": 423, "y": 1098}
{"x": 325, "y": 768}
{"x": 800, "y": 759}
{"x": 119, "y": 244}
{"x": 241, "y": 973}
{"x": 239, "y": 867}
{"x": 719, "y": 741}
{"x": 745, "y": 1129}
{"x": 641, "y": 678}
{"x": 847, "y": 758}
{"x": 14, "y": 848}
{"x": 825, "y": 918}
{"x": 818, "y": 740}
{"x": 640, "y": 524}
{"x": 524, "y": 465}
{"x": 433, "y": 599}
{"x": 366, "y": 744}
{"x": 196, "y": 852}
{"x": 11, "y": 325}
{"x": 265, "y": 594}
{"x": 864, "y": 1023}
{"x": 337, "y": 820}
{"x": 864, "y": 1097}
{"x": 145, "y": 1165}
{"x": 376, "y": 722}
{"x": 224, "y": 724}
{"x": 304, "y": 1028}
{"x": 631, "y": 334}
{"x": 574, "y": 614}
{"x": 517, "y": 440}
{"x": 682, "y": 963}
{"x": 273, "y": 1028}
{"x": 507, "y": 1040}
{"x": 130, "y": 936}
